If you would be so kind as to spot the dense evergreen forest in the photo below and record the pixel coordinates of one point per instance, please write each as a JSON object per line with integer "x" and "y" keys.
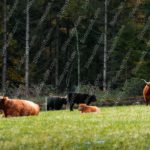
{"x": 74, "y": 45}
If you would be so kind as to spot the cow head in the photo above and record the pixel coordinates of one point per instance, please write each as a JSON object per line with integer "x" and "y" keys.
{"x": 2, "y": 101}
{"x": 81, "y": 107}
{"x": 64, "y": 100}
{"x": 93, "y": 98}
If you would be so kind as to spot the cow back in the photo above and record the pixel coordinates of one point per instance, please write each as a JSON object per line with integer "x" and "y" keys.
{"x": 56, "y": 102}
{"x": 80, "y": 98}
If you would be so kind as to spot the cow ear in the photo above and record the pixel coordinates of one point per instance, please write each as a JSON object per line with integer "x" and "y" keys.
{"x": 5, "y": 98}
{"x": 2, "y": 99}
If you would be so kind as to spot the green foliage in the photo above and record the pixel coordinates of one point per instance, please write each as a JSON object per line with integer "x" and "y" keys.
{"x": 73, "y": 9}
{"x": 123, "y": 38}
{"x": 132, "y": 87}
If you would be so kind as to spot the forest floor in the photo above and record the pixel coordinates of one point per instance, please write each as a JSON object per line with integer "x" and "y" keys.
{"x": 120, "y": 127}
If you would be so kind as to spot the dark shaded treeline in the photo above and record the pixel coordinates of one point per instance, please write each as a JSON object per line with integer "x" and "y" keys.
{"x": 53, "y": 60}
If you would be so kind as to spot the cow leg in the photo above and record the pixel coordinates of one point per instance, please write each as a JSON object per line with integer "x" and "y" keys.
{"x": 146, "y": 103}
{"x": 71, "y": 106}
{"x": 5, "y": 114}
{"x": 47, "y": 108}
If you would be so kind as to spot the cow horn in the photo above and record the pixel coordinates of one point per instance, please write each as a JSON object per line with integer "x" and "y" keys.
{"x": 145, "y": 81}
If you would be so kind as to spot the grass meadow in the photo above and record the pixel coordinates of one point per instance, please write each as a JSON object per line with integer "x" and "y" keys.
{"x": 115, "y": 128}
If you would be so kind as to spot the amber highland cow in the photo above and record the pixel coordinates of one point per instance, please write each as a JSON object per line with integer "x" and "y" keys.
{"x": 17, "y": 107}
{"x": 146, "y": 92}
{"x": 84, "y": 108}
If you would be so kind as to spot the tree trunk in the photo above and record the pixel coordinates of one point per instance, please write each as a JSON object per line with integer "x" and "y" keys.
{"x": 105, "y": 50}
{"x": 27, "y": 52}
{"x": 78, "y": 57}
{"x": 4, "y": 50}
{"x": 57, "y": 57}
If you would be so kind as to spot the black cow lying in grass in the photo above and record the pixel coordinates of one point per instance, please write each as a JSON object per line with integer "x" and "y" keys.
{"x": 56, "y": 102}
{"x": 77, "y": 98}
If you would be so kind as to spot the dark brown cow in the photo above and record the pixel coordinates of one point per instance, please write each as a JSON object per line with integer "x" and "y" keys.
{"x": 146, "y": 92}
{"x": 17, "y": 107}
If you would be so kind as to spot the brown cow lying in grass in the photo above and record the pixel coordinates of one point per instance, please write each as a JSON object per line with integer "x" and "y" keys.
{"x": 146, "y": 92}
{"x": 17, "y": 107}
{"x": 84, "y": 108}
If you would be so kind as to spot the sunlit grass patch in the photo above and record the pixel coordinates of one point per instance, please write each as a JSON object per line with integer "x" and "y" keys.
{"x": 124, "y": 128}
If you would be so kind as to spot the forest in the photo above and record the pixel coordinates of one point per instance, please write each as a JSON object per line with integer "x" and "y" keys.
{"x": 91, "y": 46}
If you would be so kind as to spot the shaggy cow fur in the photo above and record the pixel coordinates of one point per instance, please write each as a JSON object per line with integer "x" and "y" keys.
{"x": 86, "y": 109}
{"x": 146, "y": 92}
{"x": 17, "y": 107}
{"x": 78, "y": 98}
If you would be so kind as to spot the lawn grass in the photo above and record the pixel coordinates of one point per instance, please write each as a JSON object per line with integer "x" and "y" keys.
{"x": 119, "y": 128}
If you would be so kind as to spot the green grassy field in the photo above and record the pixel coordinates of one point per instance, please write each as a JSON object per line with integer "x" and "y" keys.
{"x": 120, "y": 128}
